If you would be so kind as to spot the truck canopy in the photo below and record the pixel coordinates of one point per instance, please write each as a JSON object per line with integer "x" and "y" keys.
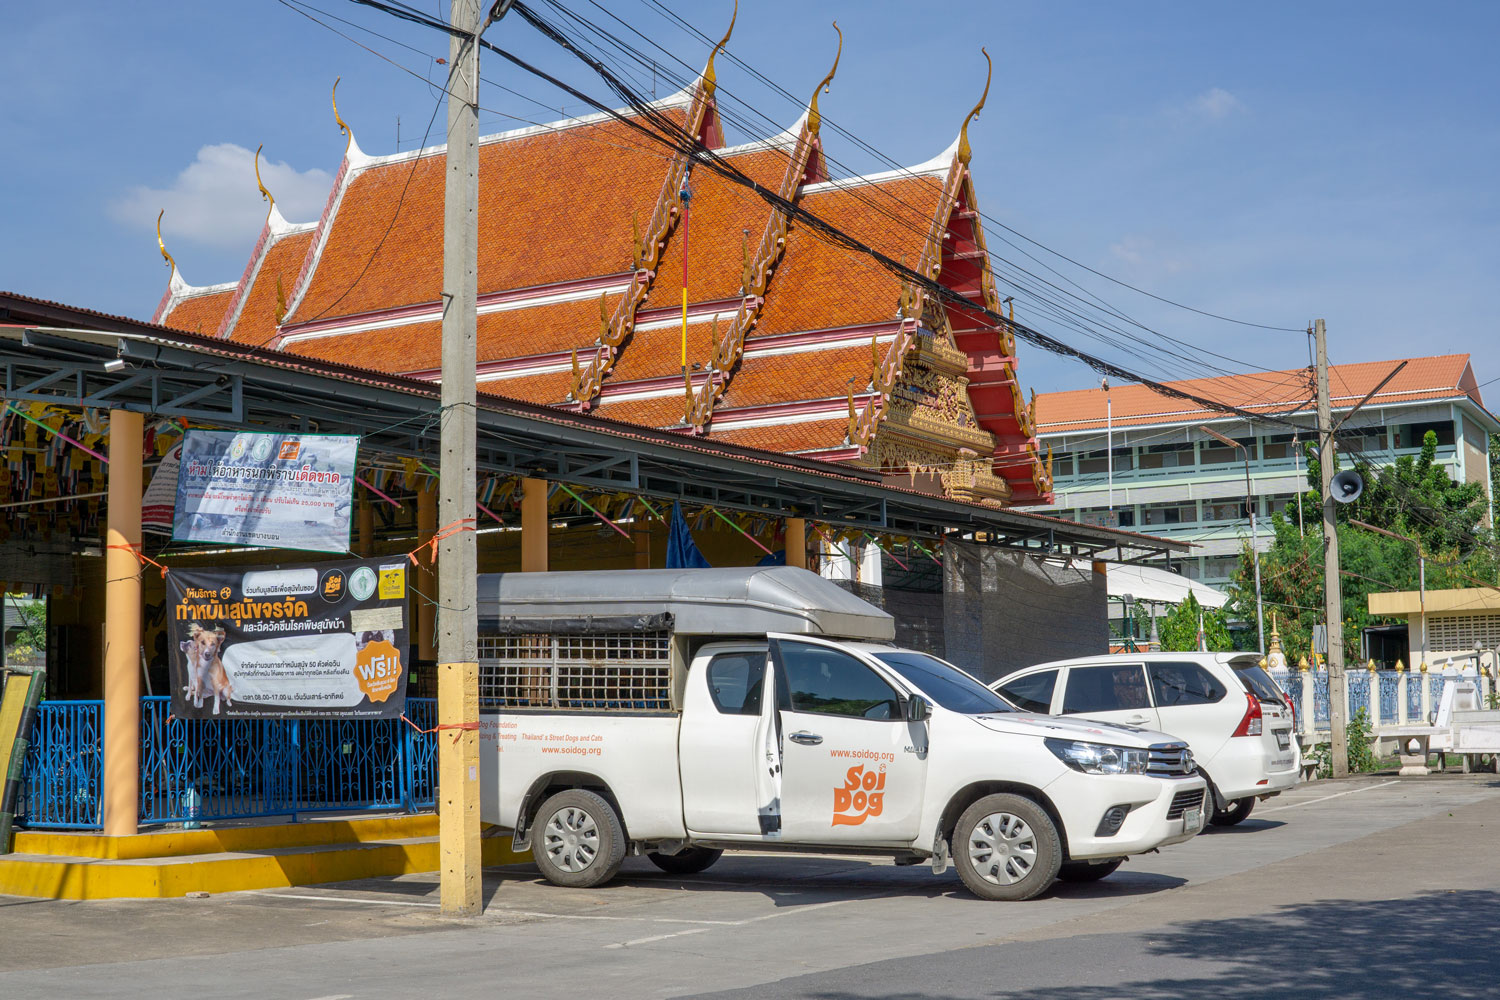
{"x": 750, "y": 600}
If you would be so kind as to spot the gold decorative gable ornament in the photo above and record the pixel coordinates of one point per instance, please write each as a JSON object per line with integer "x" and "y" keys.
{"x": 162, "y": 246}
{"x": 261, "y": 184}
{"x": 710, "y": 78}
{"x": 964, "y": 151}
{"x": 814, "y": 118}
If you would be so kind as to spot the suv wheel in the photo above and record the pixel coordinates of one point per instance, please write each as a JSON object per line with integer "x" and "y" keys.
{"x": 1006, "y": 847}
{"x": 1234, "y": 811}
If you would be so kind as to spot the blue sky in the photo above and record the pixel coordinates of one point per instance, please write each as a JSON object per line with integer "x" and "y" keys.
{"x": 1273, "y": 162}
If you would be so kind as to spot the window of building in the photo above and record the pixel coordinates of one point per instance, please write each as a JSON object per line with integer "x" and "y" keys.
{"x": 1278, "y": 446}
{"x": 1220, "y": 567}
{"x": 1215, "y": 453}
{"x": 1224, "y": 511}
{"x": 1167, "y": 456}
{"x": 1172, "y": 513}
{"x": 1410, "y": 435}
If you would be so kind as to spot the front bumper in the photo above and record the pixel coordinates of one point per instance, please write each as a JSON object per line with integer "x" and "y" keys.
{"x": 1082, "y": 800}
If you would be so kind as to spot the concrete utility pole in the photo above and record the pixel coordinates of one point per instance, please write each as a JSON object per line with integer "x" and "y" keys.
{"x": 458, "y": 618}
{"x": 1332, "y": 598}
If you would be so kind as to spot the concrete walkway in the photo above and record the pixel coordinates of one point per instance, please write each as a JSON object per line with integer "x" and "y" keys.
{"x": 1367, "y": 887}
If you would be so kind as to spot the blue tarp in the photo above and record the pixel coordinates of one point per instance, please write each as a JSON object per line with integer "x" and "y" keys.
{"x": 682, "y": 551}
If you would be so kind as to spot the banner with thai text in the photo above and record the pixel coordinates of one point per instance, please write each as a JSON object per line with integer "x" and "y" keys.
{"x": 326, "y": 640}
{"x": 290, "y": 491}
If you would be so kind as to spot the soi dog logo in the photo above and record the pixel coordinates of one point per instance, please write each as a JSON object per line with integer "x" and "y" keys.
{"x": 862, "y": 796}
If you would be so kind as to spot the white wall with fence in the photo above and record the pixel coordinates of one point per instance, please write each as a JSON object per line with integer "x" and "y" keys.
{"x": 1389, "y": 697}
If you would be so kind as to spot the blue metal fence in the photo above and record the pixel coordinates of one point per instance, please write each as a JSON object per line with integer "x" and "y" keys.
{"x": 61, "y": 785}
{"x": 232, "y": 768}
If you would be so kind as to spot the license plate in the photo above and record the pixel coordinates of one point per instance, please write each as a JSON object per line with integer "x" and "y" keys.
{"x": 1283, "y": 739}
{"x": 1192, "y": 820}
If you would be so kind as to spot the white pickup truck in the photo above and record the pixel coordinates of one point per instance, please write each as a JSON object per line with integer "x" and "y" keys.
{"x": 682, "y": 713}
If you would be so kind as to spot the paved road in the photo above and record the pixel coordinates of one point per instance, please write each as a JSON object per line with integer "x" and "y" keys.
{"x": 1365, "y": 888}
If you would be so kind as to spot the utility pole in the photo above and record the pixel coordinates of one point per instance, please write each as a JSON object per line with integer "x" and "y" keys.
{"x": 458, "y": 603}
{"x": 1332, "y": 599}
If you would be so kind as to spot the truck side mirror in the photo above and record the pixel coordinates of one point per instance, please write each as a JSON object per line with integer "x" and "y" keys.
{"x": 917, "y": 709}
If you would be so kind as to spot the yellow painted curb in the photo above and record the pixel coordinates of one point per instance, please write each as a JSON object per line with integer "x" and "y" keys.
{"x": 177, "y": 843}
{"x": 266, "y": 867}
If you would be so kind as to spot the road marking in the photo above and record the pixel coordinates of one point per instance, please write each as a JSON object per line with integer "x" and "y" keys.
{"x": 336, "y": 996}
{"x": 657, "y": 937}
{"x": 347, "y": 899}
{"x": 1325, "y": 798}
{"x": 598, "y": 916}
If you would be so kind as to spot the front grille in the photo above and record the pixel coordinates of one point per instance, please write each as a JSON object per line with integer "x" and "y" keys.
{"x": 1183, "y": 801}
{"x": 1169, "y": 760}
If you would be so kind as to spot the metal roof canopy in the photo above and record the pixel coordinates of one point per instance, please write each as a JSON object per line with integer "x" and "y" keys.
{"x": 56, "y": 354}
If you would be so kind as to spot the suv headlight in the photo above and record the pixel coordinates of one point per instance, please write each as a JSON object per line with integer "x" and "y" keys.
{"x": 1099, "y": 758}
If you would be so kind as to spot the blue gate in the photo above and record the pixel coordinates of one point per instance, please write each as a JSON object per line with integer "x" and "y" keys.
{"x": 231, "y": 768}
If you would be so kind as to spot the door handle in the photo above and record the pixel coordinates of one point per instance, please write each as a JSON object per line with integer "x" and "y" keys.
{"x": 805, "y": 738}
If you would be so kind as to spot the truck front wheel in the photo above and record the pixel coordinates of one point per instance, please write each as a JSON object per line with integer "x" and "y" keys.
{"x": 578, "y": 840}
{"x": 1006, "y": 847}
{"x": 686, "y": 862}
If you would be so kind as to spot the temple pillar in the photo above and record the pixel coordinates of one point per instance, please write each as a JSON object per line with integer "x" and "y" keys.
{"x": 796, "y": 542}
{"x": 534, "y": 525}
{"x": 122, "y": 628}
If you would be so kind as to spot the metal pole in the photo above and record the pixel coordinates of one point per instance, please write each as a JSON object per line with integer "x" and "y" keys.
{"x": 1109, "y": 441}
{"x": 1422, "y": 598}
{"x": 1260, "y": 612}
{"x": 458, "y": 622}
{"x": 1332, "y": 599}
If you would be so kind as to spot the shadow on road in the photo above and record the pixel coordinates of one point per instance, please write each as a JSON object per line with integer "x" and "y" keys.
{"x": 1248, "y": 826}
{"x": 1422, "y": 946}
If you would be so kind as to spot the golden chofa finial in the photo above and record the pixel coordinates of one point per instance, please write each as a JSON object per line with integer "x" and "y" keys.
{"x": 964, "y": 152}
{"x": 344, "y": 128}
{"x": 162, "y": 246}
{"x": 814, "y": 119}
{"x": 710, "y": 80}
{"x": 263, "y": 192}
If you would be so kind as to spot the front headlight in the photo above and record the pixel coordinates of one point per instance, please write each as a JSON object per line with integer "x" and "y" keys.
{"x": 1099, "y": 758}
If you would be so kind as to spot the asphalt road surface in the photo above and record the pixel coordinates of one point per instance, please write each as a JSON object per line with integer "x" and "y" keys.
{"x": 1372, "y": 887}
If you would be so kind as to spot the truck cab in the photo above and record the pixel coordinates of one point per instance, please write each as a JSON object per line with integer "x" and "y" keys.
{"x": 682, "y": 713}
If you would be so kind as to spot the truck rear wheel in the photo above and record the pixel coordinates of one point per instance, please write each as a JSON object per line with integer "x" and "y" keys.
{"x": 690, "y": 861}
{"x": 1006, "y": 847}
{"x": 578, "y": 840}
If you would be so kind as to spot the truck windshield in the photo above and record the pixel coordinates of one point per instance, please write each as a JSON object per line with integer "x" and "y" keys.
{"x": 944, "y": 683}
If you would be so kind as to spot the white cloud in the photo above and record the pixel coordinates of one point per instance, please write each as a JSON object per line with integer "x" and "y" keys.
{"x": 1214, "y": 104}
{"x": 214, "y": 200}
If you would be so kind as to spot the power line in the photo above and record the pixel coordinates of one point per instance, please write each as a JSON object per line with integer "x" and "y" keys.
{"x": 896, "y": 165}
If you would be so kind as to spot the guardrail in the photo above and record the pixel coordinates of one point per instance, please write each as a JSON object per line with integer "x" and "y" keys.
{"x": 194, "y": 770}
{"x": 1389, "y": 697}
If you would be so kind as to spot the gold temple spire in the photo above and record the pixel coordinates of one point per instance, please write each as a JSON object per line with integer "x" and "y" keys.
{"x": 344, "y": 128}
{"x": 710, "y": 79}
{"x": 814, "y": 119}
{"x": 263, "y": 192}
{"x": 162, "y": 246}
{"x": 964, "y": 152}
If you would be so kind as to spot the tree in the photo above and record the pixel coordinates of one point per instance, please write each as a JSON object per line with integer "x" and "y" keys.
{"x": 1179, "y": 629}
{"x": 1415, "y": 497}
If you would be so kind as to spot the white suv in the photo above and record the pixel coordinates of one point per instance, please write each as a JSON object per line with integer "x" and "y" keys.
{"x": 1228, "y": 710}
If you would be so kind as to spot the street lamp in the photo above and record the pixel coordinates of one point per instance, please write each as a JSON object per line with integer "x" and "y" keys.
{"x": 1260, "y": 618}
